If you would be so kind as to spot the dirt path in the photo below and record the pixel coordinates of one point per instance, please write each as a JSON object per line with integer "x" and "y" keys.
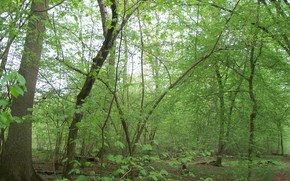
{"x": 283, "y": 175}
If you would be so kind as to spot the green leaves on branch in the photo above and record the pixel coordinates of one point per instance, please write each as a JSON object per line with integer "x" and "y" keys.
{"x": 147, "y": 147}
{"x": 15, "y": 83}
{"x": 6, "y": 119}
{"x": 119, "y": 144}
{"x": 108, "y": 24}
{"x": 16, "y": 90}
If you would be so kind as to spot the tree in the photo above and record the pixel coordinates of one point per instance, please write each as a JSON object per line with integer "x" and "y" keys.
{"x": 16, "y": 163}
{"x": 110, "y": 32}
{"x": 222, "y": 117}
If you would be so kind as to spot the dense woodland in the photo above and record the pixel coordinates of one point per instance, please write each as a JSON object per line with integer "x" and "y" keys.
{"x": 144, "y": 89}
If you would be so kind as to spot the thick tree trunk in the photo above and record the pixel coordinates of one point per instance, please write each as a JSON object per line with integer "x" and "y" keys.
{"x": 16, "y": 162}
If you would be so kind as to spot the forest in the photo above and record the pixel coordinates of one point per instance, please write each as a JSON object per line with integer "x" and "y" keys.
{"x": 144, "y": 90}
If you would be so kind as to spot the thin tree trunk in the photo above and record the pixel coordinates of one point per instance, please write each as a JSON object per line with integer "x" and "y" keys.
{"x": 282, "y": 143}
{"x": 280, "y": 138}
{"x": 86, "y": 89}
{"x": 122, "y": 118}
{"x": 56, "y": 151}
{"x": 16, "y": 162}
{"x": 222, "y": 119}
{"x": 232, "y": 105}
{"x": 253, "y": 112}
{"x": 112, "y": 75}
{"x": 142, "y": 76}
{"x": 252, "y": 96}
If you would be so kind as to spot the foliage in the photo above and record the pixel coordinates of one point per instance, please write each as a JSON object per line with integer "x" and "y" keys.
{"x": 15, "y": 83}
{"x": 134, "y": 103}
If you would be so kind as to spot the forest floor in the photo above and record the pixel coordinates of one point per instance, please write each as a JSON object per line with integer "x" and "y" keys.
{"x": 266, "y": 168}
{"x": 283, "y": 175}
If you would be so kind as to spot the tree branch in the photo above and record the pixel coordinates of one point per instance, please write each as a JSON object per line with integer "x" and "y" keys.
{"x": 104, "y": 16}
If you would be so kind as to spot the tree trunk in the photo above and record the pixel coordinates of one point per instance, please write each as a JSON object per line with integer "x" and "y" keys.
{"x": 16, "y": 162}
{"x": 86, "y": 89}
{"x": 56, "y": 157}
{"x": 253, "y": 60}
{"x": 282, "y": 144}
{"x": 221, "y": 142}
{"x": 253, "y": 112}
{"x": 280, "y": 138}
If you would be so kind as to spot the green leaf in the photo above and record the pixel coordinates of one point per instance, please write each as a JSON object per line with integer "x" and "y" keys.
{"x": 154, "y": 175}
{"x": 4, "y": 102}
{"x": 119, "y": 144}
{"x": 64, "y": 160}
{"x": 3, "y": 119}
{"x": 111, "y": 157}
{"x": 163, "y": 172}
{"x": 147, "y": 147}
{"x": 208, "y": 179}
{"x": 15, "y": 90}
{"x": 88, "y": 164}
{"x": 143, "y": 172}
{"x": 108, "y": 24}
{"x": 6, "y": 118}
{"x": 21, "y": 79}
{"x": 17, "y": 119}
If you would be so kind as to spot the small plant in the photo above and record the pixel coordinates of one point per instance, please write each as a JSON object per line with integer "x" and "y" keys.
{"x": 76, "y": 165}
{"x": 137, "y": 167}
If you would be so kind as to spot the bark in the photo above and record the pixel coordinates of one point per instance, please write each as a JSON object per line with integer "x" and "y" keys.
{"x": 17, "y": 154}
{"x": 86, "y": 89}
